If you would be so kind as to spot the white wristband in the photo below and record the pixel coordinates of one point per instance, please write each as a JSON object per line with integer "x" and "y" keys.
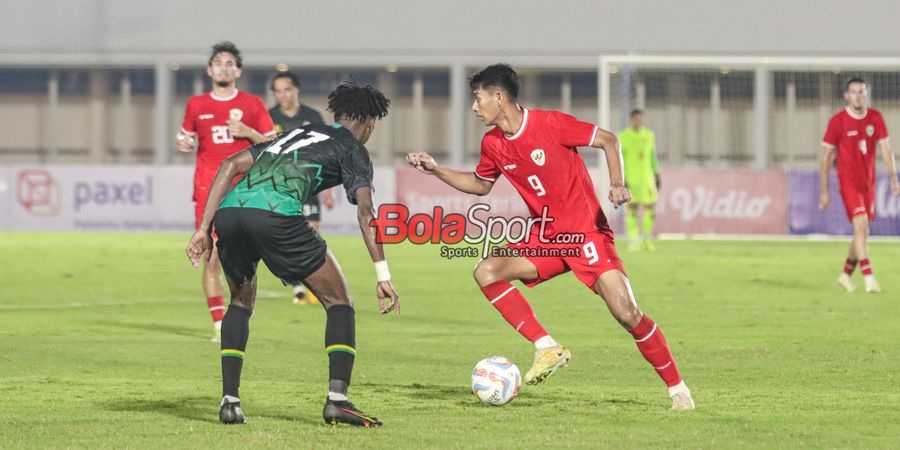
{"x": 382, "y": 272}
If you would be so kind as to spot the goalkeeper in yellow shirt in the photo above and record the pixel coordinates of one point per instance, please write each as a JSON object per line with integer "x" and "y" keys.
{"x": 642, "y": 178}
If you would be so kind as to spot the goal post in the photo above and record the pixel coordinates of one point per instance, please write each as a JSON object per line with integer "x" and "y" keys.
{"x": 739, "y": 111}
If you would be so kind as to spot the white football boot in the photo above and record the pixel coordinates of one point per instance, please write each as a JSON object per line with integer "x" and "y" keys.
{"x": 844, "y": 281}
{"x": 681, "y": 397}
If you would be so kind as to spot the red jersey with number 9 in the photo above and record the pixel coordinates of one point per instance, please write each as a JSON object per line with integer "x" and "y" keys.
{"x": 856, "y": 138}
{"x": 206, "y": 117}
{"x": 541, "y": 161}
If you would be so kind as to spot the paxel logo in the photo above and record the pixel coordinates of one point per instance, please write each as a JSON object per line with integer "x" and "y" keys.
{"x": 111, "y": 193}
{"x": 38, "y": 192}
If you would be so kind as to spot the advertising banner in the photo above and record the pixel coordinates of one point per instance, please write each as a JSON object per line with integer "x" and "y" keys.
{"x": 131, "y": 198}
{"x": 723, "y": 202}
{"x": 806, "y": 218}
{"x": 117, "y": 198}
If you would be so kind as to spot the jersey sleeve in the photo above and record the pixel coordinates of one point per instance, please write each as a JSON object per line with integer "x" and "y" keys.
{"x": 188, "y": 125}
{"x": 356, "y": 171}
{"x": 832, "y": 134}
{"x": 257, "y": 149}
{"x": 571, "y": 132}
{"x": 264, "y": 124}
{"x": 881, "y": 132}
{"x": 487, "y": 169}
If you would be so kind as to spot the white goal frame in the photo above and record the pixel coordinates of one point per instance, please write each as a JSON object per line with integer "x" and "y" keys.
{"x": 762, "y": 66}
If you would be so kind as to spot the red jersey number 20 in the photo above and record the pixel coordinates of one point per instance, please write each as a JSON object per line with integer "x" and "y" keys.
{"x": 220, "y": 135}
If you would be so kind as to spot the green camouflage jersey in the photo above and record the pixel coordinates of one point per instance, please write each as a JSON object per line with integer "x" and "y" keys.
{"x": 300, "y": 163}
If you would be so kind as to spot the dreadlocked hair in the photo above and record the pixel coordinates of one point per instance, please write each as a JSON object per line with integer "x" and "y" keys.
{"x": 351, "y": 101}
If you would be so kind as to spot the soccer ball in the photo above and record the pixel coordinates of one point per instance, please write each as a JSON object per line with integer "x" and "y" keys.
{"x": 496, "y": 380}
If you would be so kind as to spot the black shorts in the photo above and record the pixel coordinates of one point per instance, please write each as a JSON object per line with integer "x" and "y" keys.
{"x": 311, "y": 209}
{"x": 287, "y": 244}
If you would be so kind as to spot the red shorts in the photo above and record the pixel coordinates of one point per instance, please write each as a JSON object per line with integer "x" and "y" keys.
{"x": 200, "y": 196}
{"x": 857, "y": 202}
{"x": 589, "y": 259}
{"x": 201, "y": 193}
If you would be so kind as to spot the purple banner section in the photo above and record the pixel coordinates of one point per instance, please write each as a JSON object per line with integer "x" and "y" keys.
{"x": 806, "y": 218}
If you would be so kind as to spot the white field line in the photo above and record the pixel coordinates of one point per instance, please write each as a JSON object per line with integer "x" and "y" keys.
{"x": 770, "y": 237}
{"x": 147, "y": 301}
{"x": 101, "y": 303}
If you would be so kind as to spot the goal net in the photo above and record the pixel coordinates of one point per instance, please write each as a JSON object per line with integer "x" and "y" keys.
{"x": 743, "y": 120}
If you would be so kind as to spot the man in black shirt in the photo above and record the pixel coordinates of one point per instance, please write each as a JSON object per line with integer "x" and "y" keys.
{"x": 261, "y": 217}
{"x": 288, "y": 114}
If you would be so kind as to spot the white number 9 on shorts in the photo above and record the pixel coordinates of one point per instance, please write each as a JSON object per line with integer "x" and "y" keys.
{"x": 590, "y": 251}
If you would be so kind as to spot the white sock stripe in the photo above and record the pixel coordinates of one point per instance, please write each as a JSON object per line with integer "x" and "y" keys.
{"x": 520, "y": 325}
{"x": 648, "y": 335}
{"x": 501, "y": 295}
{"x": 214, "y": 308}
{"x": 337, "y": 396}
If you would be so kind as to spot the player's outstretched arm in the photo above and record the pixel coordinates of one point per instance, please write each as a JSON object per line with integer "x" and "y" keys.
{"x": 201, "y": 241}
{"x": 466, "y": 182}
{"x": 824, "y": 167}
{"x": 888, "y": 154}
{"x": 365, "y": 214}
{"x": 618, "y": 193}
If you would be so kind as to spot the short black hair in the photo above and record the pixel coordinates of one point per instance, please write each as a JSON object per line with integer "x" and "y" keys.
{"x": 855, "y": 80}
{"x": 498, "y": 76}
{"x": 635, "y": 112}
{"x": 289, "y": 75}
{"x": 351, "y": 101}
{"x": 226, "y": 47}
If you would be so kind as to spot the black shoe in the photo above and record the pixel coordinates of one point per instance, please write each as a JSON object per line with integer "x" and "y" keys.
{"x": 231, "y": 413}
{"x": 344, "y": 412}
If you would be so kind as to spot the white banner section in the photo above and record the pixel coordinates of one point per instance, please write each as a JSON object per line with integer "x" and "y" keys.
{"x": 130, "y": 198}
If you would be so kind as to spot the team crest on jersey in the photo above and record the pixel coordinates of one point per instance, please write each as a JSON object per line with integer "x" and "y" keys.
{"x": 235, "y": 114}
{"x": 870, "y": 130}
{"x": 537, "y": 155}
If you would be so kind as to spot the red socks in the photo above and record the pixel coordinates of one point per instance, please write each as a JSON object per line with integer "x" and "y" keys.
{"x": 649, "y": 338}
{"x": 216, "y": 308}
{"x": 652, "y": 344}
{"x": 850, "y": 266}
{"x": 865, "y": 267}
{"x": 515, "y": 309}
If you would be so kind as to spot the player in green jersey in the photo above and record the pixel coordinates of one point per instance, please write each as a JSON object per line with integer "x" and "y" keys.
{"x": 262, "y": 218}
{"x": 642, "y": 178}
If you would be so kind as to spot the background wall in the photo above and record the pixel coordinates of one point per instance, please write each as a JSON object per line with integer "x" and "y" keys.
{"x": 498, "y": 27}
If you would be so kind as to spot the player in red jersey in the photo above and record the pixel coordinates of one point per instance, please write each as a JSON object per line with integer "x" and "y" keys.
{"x": 537, "y": 152}
{"x": 223, "y": 122}
{"x": 855, "y": 132}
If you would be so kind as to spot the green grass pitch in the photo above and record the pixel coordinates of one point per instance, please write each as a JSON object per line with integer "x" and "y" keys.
{"x": 104, "y": 343}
